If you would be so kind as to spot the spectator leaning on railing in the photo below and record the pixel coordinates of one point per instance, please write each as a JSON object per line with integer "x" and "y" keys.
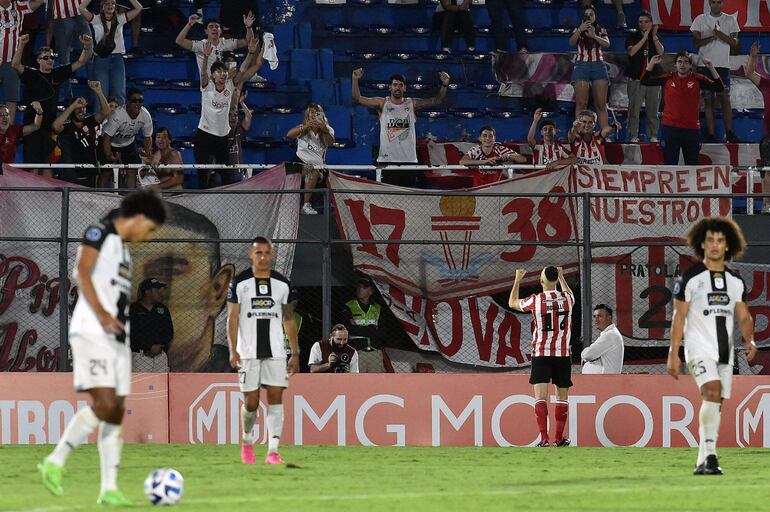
{"x": 119, "y": 136}
{"x": 490, "y": 153}
{"x": 681, "y": 113}
{"x": 168, "y": 178}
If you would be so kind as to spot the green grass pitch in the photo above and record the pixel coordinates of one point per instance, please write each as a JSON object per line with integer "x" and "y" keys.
{"x": 405, "y": 479}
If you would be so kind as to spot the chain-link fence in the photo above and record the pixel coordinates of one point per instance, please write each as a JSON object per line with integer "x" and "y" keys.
{"x": 422, "y": 278}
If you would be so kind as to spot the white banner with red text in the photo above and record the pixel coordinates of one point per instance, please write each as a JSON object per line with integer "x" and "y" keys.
{"x": 475, "y": 330}
{"x": 452, "y": 267}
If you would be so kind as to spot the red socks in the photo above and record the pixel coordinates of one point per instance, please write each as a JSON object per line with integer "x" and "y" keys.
{"x": 561, "y": 418}
{"x": 541, "y": 412}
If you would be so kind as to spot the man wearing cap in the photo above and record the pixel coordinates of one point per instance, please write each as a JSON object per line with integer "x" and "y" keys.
{"x": 151, "y": 328}
{"x": 605, "y": 355}
{"x": 362, "y": 317}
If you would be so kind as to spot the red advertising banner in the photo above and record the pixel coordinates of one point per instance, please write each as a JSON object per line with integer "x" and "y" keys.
{"x": 35, "y": 408}
{"x": 467, "y": 410}
{"x": 401, "y": 409}
{"x": 752, "y": 15}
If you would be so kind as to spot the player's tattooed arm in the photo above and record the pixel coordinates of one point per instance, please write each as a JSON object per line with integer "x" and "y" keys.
{"x": 290, "y": 328}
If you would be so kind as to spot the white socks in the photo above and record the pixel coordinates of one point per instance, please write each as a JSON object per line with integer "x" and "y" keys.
{"x": 110, "y": 445}
{"x": 709, "y": 429}
{"x": 79, "y": 428}
{"x": 274, "y": 426}
{"x": 248, "y": 418}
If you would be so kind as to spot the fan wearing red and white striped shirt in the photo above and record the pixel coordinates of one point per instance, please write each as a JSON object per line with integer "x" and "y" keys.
{"x": 551, "y": 361}
{"x": 587, "y": 145}
{"x": 549, "y": 151}
{"x": 489, "y": 152}
{"x": 590, "y": 71}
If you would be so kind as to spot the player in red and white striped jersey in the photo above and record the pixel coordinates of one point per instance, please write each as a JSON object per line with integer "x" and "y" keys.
{"x": 489, "y": 152}
{"x": 12, "y": 14}
{"x": 551, "y": 362}
{"x": 549, "y": 151}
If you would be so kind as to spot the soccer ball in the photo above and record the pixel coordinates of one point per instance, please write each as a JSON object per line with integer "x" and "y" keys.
{"x": 164, "y": 486}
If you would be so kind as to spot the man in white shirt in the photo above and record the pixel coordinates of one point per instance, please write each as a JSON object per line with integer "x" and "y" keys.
{"x": 213, "y": 31}
{"x": 217, "y": 93}
{"x": 397, "y": 113}
{"x": 715, "y": 34}
{"x": 605, "y": 355}
{"x": 119, "y": 136}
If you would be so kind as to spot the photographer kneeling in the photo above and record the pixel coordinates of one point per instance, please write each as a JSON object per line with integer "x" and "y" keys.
{"x": 334, "y": 355}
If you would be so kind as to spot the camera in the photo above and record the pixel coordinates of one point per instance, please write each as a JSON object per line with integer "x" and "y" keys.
{"x": 342, "y": 365}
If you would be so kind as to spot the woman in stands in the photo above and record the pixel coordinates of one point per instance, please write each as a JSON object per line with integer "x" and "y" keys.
{"x": 313, "y": 136}
{"x": 109, "y": 47}
{"x": 590, "y": 71}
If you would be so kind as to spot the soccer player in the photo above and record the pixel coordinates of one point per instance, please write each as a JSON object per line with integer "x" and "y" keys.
{"x": 551, "y": 360}
{"x": 259, "y": 312}
{"x": 101, "y": 354}
{"x": 706, "y": 299}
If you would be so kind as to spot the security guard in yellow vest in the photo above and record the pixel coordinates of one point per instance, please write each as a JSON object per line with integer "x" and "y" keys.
{"x": 362, "y": 316}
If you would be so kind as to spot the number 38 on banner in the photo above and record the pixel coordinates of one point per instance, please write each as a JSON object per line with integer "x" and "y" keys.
{"x": 537, "y": 220}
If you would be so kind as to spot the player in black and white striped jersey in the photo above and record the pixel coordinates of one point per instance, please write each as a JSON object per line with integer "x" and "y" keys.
{"x": 707, "y": 298}
{"x": 101, "y": 355}
{"x": 259, "y": 312}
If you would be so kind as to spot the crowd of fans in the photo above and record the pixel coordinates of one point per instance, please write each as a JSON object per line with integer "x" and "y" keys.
{"x": 109, "y": 135}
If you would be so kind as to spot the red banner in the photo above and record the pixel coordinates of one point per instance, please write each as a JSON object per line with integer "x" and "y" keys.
{"x": 752, "y": 15}
{"x": 35, "y": 408}
{"x": 402, "y": 409}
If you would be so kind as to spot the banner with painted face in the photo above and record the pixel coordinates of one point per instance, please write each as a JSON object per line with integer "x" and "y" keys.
{"x": 196, "y": 270}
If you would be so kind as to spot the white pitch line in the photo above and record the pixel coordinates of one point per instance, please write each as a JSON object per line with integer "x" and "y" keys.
{"x": 524, "y": 490}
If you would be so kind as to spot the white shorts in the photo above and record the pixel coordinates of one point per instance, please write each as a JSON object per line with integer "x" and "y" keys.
{"x": 100, "y": 362}
{"x": 254, "y": 373}
{"x": 707, "y": 370}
